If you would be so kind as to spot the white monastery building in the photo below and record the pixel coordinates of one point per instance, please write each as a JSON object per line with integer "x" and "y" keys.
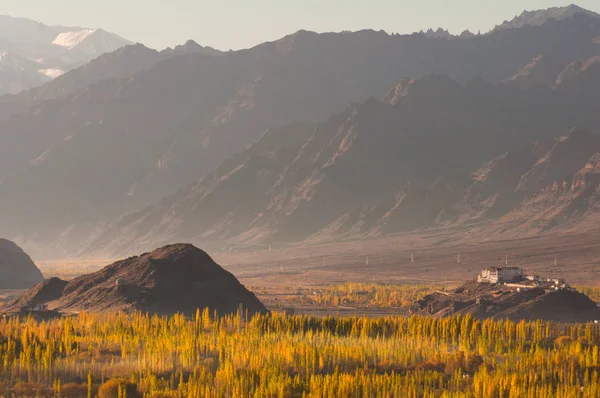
{"x": 500, "y": 274}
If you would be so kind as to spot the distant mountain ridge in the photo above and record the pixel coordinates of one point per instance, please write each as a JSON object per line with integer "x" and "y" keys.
{"x": 540, "y": 17}
{"x": 526, "y": 18}
{"x": 190, "y": 47}
{"x": 45, "y": 52}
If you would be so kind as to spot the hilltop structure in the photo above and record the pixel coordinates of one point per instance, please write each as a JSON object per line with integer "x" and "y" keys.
{"x": 516, "y": 278}
{"x": 35, "y": 308}
{"x": 507, "y": 292}
{"x": 500, "y": 274}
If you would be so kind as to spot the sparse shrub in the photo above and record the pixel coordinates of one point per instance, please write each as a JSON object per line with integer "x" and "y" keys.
{"x": 84, "y": 356}
{"x": 473, "y": 362}
{"x": 23, "y": 389}
{"x": 111, "y": 388}
{"x": 74, "y": 390}
{"x": 388, "y": 367}
{"x": 563, "y": 340}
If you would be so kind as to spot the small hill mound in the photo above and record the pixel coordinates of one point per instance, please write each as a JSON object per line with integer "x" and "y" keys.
{"x": 44, "y": 292}
{"x": 562, "y": 305}
{"x": 175, "y": 278}
{"x": 486, "y": 300}
{"x": 17, "y": 270}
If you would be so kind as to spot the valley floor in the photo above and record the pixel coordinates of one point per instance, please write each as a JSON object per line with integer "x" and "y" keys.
{"x": 284, "y": 276}
{"x": 573, "y": 257}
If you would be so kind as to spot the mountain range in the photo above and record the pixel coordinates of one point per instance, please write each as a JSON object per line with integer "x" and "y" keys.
{"x": 394, "y": 166}
{"x": 32, "y": 53}
{"x": 540, "y": 17}
{"x": 310, "y": 137}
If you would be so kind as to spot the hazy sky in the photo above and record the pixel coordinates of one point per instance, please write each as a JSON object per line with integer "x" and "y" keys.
{"x": 226, "y": 24}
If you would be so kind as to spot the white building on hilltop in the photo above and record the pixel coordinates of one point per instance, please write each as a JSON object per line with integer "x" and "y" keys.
{"x": 35, "y": 308}
{"x": 500, "y": 274}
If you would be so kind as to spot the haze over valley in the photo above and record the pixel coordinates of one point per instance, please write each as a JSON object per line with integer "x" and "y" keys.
{"x": 343, "y": 212}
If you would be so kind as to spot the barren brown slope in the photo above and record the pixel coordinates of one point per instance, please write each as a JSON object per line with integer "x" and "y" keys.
{"x": 514, "y": 178}
{"x": 170, "y": 125}
{"x": 568, "y": 205}
{"x": 175, "y": 278}
{"x": 541, "y": 71}
{"x": 558, "y": 194}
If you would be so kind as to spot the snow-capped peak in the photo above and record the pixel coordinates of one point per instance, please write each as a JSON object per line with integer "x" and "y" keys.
{"x": 52, "y": 73}
{"x": 71, "y": 39}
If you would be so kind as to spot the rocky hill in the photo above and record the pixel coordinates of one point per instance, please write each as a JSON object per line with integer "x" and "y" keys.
{"x": 485, "y": 300}
{"x": 17, "y": 271}
{"x": 174, "y": 278}
{"x": 170, "y": 123}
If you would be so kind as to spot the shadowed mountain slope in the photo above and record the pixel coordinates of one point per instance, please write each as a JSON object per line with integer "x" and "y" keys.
{"x": 17, "y": 271}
